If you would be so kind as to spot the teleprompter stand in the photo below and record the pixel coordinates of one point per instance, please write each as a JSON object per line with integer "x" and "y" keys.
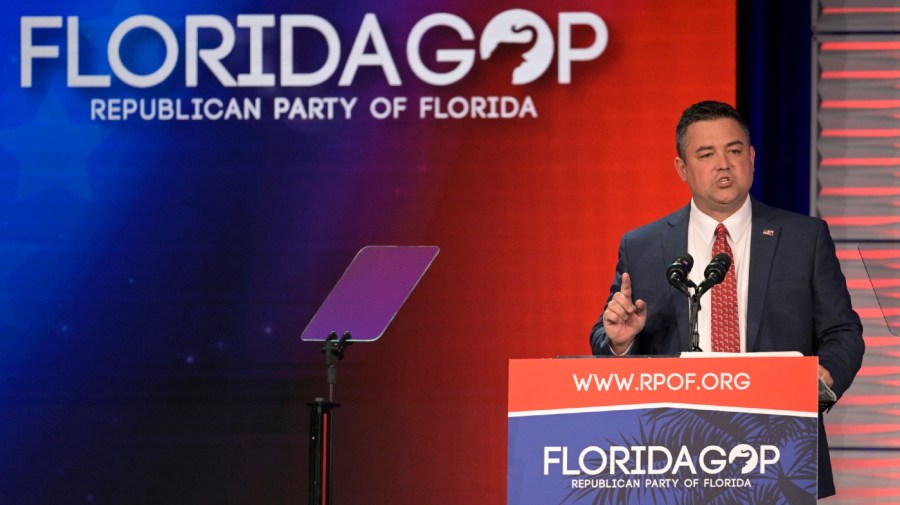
{"x": 364, "y": 301}
{"x": 320, "y": 441}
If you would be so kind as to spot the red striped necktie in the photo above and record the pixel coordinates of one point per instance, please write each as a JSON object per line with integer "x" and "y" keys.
{"x": 726, "y": 333}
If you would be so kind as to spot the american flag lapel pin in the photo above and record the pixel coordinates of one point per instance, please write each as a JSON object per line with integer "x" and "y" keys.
{"x": 769, "y": 233}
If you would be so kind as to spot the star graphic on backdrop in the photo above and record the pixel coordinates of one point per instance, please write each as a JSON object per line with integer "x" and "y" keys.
{"x": 53, "y": 151}
{"x": 12, "y": 254}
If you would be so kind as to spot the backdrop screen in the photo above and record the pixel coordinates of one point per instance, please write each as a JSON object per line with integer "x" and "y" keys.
{"x": 182, "y": 183}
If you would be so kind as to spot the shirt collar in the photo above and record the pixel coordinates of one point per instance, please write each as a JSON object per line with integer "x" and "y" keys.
{"x": 737, "y": 224}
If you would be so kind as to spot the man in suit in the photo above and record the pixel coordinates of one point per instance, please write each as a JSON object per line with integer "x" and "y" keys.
{"x": 790, "y": 292}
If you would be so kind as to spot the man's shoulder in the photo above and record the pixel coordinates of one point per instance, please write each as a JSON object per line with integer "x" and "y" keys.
{"x": 785, "y": 218}
{"x": 652, "y": 229}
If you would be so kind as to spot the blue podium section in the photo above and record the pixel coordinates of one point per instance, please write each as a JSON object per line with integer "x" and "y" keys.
{"x": 603, "y": 436}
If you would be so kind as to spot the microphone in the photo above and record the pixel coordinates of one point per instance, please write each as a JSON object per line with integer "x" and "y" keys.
{"x": 714, "y": 273}
{"x": 677, "y": 273}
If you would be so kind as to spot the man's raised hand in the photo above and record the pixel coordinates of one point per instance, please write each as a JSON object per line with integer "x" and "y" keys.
{"x": 623, "y": 319}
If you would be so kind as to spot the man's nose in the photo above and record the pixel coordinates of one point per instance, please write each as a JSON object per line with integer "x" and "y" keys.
{"x": 723, "y": 162}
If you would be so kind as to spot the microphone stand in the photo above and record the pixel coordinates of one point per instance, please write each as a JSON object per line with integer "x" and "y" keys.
{"x": 699, "y": 291}
{"x": 714, "y": 274}
{"x": 695, "y": 312}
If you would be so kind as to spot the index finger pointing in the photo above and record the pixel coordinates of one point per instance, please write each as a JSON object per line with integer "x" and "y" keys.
{"x": 626, "y": 286}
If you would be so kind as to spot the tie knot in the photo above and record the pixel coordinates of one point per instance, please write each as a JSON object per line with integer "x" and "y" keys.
{"x": 721, "y": 231}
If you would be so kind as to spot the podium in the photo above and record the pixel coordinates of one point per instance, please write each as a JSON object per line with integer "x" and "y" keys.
{"x": 657, "y": 430}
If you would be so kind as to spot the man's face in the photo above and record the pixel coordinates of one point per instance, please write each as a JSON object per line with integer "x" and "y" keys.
{"x": 717, "y": 165}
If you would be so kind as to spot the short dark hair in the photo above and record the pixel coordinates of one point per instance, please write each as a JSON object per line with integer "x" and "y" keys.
{"x": 705, "y": 111}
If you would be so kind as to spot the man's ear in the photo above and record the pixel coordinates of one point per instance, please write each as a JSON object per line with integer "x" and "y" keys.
{"x": 680, "y": 168}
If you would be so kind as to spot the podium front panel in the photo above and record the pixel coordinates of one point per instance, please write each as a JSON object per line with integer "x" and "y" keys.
{"x": 662, "y": 430}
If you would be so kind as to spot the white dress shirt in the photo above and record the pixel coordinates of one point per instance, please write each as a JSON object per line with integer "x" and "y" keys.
{"x": 701, "y": 235}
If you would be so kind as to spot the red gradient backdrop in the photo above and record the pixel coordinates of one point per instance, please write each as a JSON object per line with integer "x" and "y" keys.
{"x": 528, "y": 214}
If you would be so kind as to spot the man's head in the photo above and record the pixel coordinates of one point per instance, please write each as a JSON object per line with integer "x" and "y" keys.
{"x": 715, "y": 157}
{"x": 706, "y": 111}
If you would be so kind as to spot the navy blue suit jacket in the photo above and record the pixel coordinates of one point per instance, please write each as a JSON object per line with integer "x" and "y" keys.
{"x": 797, "y": 297}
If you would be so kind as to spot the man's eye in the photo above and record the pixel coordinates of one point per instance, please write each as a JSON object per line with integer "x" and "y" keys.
{"x": 705, "y": 155}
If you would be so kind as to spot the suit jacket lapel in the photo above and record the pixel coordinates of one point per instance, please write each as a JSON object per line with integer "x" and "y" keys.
{"x": 764, "y": 233}
{"x": 674, "y": 242}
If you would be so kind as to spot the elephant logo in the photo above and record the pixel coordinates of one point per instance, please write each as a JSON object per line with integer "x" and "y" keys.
{"x": 520, "y": 26}
{"x": 744, "y": 451}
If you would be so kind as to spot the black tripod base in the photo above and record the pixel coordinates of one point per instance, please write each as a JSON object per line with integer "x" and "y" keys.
{"x": 320, "y": 444}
